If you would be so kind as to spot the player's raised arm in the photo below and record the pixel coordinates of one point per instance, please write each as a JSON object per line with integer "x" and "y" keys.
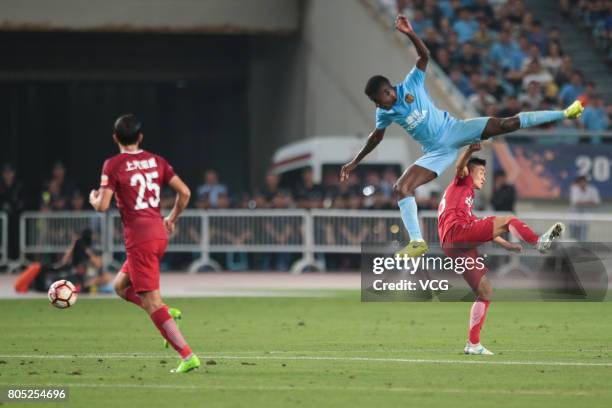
{"x": 461, "y": 167}
{"x": 183, "y": 194}
{"x": 403, "y": 25}
{"x": 373, "y": 140}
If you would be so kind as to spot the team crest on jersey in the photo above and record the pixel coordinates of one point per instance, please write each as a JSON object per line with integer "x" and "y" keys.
{"x": 409, "y": 98}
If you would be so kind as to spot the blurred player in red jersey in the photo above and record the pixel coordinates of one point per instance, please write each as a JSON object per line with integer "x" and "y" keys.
{"x": 461, "y": 233}
{"x": 135, "y": 177}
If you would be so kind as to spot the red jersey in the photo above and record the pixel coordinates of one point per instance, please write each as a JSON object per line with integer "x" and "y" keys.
{"x": 456, "y": 205}
{"x": 136, "y": 178}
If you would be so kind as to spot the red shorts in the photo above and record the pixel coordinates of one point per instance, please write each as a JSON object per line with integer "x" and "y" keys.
{"x": 473, "y": 234}
{"x": 462, "y": 241}
{"x": 142, "y": 264}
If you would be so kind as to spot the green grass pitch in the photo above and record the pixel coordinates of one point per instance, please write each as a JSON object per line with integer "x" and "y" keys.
{"x": 312, "y": 351}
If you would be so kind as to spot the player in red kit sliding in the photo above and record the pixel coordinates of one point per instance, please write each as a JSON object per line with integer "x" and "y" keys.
{"x": 135, "y": 177}
{"x": 461, "y": 233}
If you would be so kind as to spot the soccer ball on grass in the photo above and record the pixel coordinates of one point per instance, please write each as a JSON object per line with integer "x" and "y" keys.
{"x": 62, "y": 294}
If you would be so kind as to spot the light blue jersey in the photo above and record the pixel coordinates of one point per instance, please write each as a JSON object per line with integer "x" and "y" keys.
{"x": 439, "y": 134}
{"x": 414, "y": 111}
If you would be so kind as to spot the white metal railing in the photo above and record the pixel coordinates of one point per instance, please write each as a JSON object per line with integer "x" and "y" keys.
{"x": 3, "y": 238}
{"x": 306, "y": 232}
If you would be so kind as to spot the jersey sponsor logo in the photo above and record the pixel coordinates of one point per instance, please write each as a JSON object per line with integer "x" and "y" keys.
{"x": 141, "y": 164}
{"x": 415, "y": 119}
{"x": 409, "y": 98}
{"x": 469, "y": 202}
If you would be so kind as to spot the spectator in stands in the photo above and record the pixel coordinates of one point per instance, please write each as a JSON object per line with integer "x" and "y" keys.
{"x": 552, "y": 61}
{"x": 270, "y": 185}
{"x": 535, "y": 73}
{"x": 483, "y": 11}
{"x": 52, "y": 198}
{"x": 433, "y": 12}
{"x": 493, "y": 87}
{"x": 483, "y": 38}
{"x": 12, "y": 202}
{"x": 77, "y": 201}
{"x": 482, "y": 99}
{"x": 532, "y": 97}
{"x": 505, "y": 53}
{"x": 537, "y": 35}
{"x": 466, "y": 27}
{"x": 211, "y": 189}
{"x": 584, "y": 197}
{"x": 388, "y": 181}
{"x": 595, "y": 115}
{"x": 57, "y": 190}
{"x": 468, "y": 59}
{"x": 282, "y": 199}
{"x": 223, "y": 201}
{"x": 533, "y": 54}
{"x": 461, "y": 82}
{"x": 308, "y": 190}
{"x": 420, "y": 23}
{"x": 511, "y": 107}
{"x": 443, "y": 59}
{"x": 565, "y": 71}
{"x": 432, "y": 40}
{"x": 504, "y": 194}
{"x": 569, "y": 92}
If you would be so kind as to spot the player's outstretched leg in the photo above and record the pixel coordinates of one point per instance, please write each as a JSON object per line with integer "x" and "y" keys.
{"x": 499, "y": 126}
{"x": 477, "y": 318}
{"x": 522, "y": 231}
{"x": 404, "y": 188}
{"x": 166, "y": 325}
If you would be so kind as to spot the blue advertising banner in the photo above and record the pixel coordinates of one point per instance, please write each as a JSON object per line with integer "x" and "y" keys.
{"x": 547, "y": 171}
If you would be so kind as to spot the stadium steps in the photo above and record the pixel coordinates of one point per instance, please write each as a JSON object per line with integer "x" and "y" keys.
{"x": 578, "y": 43}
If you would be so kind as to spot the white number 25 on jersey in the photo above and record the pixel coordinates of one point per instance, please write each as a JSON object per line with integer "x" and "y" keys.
{"x": 146, "y": 182}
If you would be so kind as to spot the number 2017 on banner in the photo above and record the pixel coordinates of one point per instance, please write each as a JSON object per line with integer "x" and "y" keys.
{"x": 598, "y": 167}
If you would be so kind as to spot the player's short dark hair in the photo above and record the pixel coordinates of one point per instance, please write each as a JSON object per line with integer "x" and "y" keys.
{"x": 127, "y": 129}
{"x": 374, "y": 85}
{"x": 476, "y": 161}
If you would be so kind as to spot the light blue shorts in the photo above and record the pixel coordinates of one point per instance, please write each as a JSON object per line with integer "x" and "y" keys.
{"x": 458, "y": 133}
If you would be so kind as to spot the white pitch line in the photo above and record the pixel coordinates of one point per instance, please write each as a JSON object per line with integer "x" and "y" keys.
{"x": 479, "y": 360}
{"x": 316, "y": 388}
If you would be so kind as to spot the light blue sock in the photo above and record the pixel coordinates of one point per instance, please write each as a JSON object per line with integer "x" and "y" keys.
{"x": 408, "y": 210}
{"x": 529, "y": 119}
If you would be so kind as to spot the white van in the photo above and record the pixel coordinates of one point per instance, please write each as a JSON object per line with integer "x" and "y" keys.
{"x": 330, "y": 153}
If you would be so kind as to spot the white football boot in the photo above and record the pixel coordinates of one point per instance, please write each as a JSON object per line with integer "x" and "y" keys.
{"x": 476, "y": 349}
{"x": 546, "y": 239}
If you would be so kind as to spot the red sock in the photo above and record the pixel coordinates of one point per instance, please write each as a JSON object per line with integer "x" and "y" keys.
{"x": 522, "y": 231}
{"x": 167, "y": 328}
{"x": 477, "y": 318}
{"x": 132, "y": 296}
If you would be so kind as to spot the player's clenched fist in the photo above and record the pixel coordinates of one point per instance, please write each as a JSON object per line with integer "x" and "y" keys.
{"x": 403, "y": 25}
{"x": 346, "y": 170}
{"x": 93, "y": 196}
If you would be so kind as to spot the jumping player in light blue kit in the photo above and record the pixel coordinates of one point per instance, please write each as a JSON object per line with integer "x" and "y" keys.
{"x": 441, "y": 136}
